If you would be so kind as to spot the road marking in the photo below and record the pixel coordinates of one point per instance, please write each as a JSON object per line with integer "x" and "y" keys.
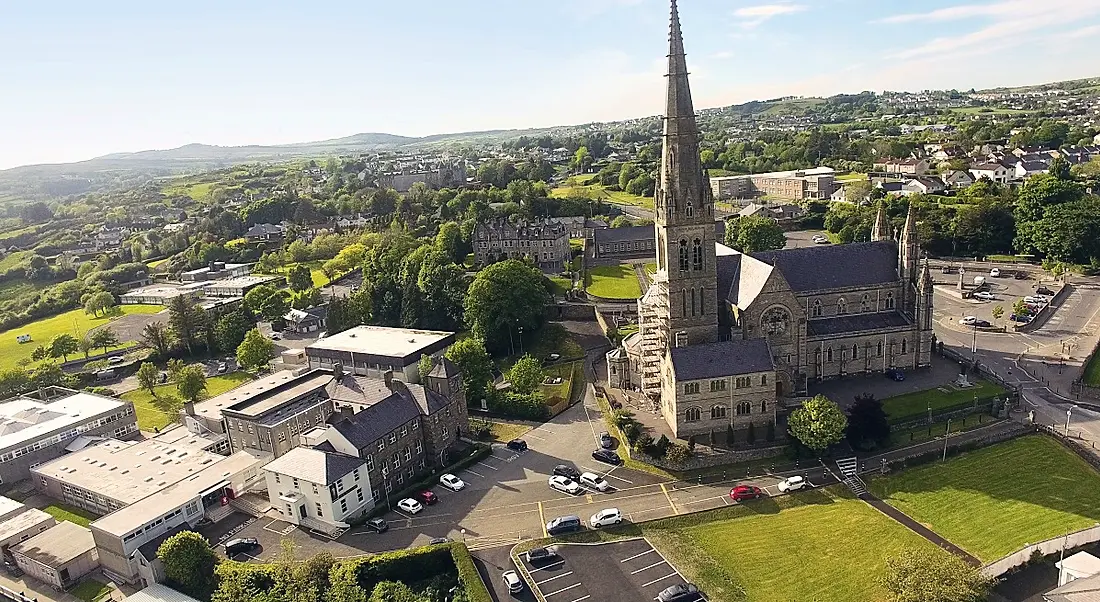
{"x": 564, "y": 589}
{"x": 648, "y": 567}
{"x": 656, "y": 580}
{"x": 669, "y": 498}
{"x": 396, "y": 511}
{"x": 535, "y": 436}
{"x": 487, "y": 466}
{"x": 582, "y": 598}
{"x": 542, "y": 521}
{"x": 607, "y": 474}
{"x": 588, "y": 496}
{"x": 549, "y": 566}
{"x": 650, "y": 550}
{"x": 553, "y": 578}
{"x": 472, "y": 472}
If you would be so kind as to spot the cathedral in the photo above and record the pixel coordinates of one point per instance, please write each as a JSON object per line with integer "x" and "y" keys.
{"x": 725, "y": 336}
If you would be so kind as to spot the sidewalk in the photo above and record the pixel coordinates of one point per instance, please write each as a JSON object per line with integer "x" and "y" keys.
{"x": 919, "y": 529}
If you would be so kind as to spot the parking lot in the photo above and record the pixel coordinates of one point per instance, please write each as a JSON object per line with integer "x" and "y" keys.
{"x": 950, "y": 307}
{"x": 626, "y": 570}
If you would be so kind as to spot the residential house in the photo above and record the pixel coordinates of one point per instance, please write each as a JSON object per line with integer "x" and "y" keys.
{"x": 780, "y": 212}
{"x": 923, "y": 185}
{"x": 840, "y": 195}
{"x": 357, "y": 220}
{"x": 318, "y": 489}
{"x": 890, "y": 186}
{"x": 956, "y": 179}
{"x": 993, "y": 171}
{"x": 1026, "y": 169}
{"x": 59, "y": 556}
{"x": 906, "y": 167}
{"x": 265, "y": 233}
{"x": 1078, "y": 579}
{"x": 304, "y": 321}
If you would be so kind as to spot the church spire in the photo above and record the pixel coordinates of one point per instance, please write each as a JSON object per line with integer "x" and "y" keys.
{"x": 679, "y": 111}
{"x": 881, "y": 231}
{"x": 682, "y": 178}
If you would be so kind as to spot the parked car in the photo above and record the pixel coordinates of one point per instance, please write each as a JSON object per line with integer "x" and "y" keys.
{"x": 949, "y": 269}
{"x": 681, "y": 592}
{"x": 1038, "y": 299}
{"x": 410, "y": 505}
{"x": 276, "y": 336}
{"x": 427, "y": 498}
{"x": 564, "y": 470}
{"x": 564, "y": 524}
{"x": 536, "y": 555}
{"x": 1021, "y": 275}
{"x": 1042, "y": 290}
{"x": 818, "y": 239}
{"x": 895, "y": 374}
{"x": 982, "y": 324}
{"x": 517, "y": 445}
{"x": 607, "y": 457}
{"x": 745, "y": 492}
{"x": 985, "y": 296}
{"x": 606, "y": 517}
{"x": 512, "y": 581}
{"x": 222, "y": 367}
{"x": 240, "y": 545}
{"x": 1021, "y": 318}
{"x": 435, "y": 541}
{"x": 553, "y": 357}
{"x": 594, "y": 481}
{"x": 615, "y": 404}
{"x": 116, "y": 360}
{"x": 995, "y": 272}
{"x": 564, "y": 484}
{"x": 377, "y": 525}
{"x": 606, "y": 441}
{"x": 969, "y": 321}
{"x": 452, "y": 482}
{"x": 791, "y": 484}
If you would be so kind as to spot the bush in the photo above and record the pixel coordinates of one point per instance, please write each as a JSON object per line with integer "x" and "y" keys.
{"x": 468, "y": 574}
{"x": 531, "y": 406}
{"x": 643, "y": 444}
{"x": 691, "y": 443}
{"x": 677, "y": 454}
{"x": 632, "y": 432}
{"x": 661, "y": 447}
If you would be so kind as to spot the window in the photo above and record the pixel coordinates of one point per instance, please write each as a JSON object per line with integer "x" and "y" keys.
{"x": 315, "y": 492}
{"x": 717, "y": 385}
{"x": 381, "y": 444}
{"x": 683, "y": 255}
{"x": 841, "y": 306}
{"x": 903, "y": 345}
{"x": 277, "y": 480}
{"x": 865, "y": 303}
{"x": 815, "y": 310}
{"x": 691, "y": 388}
{"x": 370, "y": 461}
{"x": 880, "y": 348}
{"x": 829, "y": 354}
{"x": 344, "y": 506}
{"x": 396, "y": 461}
{"x": 743, "y": 382}
{"x": 889, "y": 300}
{"x": 855, "y": 352}
{"x": 319, "y": 513}
{"x": 415, "y": 424}
{"x": 691, "y": 415}
{"x": 404, "y": 430}
{"x": 689, "y": 210}
{"x": 408, "y": 453}
{"x": 763, "y": 406}
{"x": 393, "y": 437}
{"x": 697, "y": 255}
{"x": 359, "y": 494}
{"x": 443, "y": 431}
{"x": 744, "y": 408}
{"x": 419, "y": 447}
{"x": 717, "y": 412}
{"x": 356, "y": 473}
{"x": 295, "y": 482}
{"x": 763, "y": 380}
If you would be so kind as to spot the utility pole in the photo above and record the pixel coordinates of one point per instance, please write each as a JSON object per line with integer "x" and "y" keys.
{"x": 946, "y": 436}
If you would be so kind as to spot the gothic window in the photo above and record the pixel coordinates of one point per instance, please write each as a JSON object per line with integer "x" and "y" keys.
{"x": 763, "y": 406}
{"x": 691, "y": 415}
{"x": 855, "y": 352}
{"x": 689, "y": 210}
{"x": 697, "y": 254}
{"x": 775, "y": 321}
{"x": 691, "y": 388}
{"x": 889, "y": 300}
{"x": 816, "y": 310}
{"x": 684, "y": 303}
{"x": 717, "y": 412}
{"x": 903, "y": 345}
{"x": 829, "y": 354}
{"x": 841, "y": 306}
{"x": 683, "y": 255}
{"x": 865, "y": 303}
{"x": 764, "y": 380}
{"x": 744, "y": 408}
{"x": 880, "y": 348}
{"x": 692, "y": 302}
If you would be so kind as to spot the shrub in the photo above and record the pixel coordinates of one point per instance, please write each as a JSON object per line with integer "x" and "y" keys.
{"x": 691, "y": 443}
{"x": 661, "y": 447}
{"x": 632, "y": 432}
{"x": 644, "y": 443}
{"x": 677, "y": 454}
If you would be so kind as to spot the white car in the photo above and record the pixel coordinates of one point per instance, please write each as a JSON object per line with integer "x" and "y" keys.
{"x": 410, "y": 505}
{"x": 995, "y": 272}
{"x": 452, "y": 482}
{"x": 969, "y": 321}
{"x": 984, "y": 296}
{"x": 605, "y": 517}
{"x": 512, "y": 582}
{"x": 594, "y": 481}
{"x": 820, "y": 240}
{"x": 791, "y": 484}
{"x": 1041, "y": 300}
{"x": 564, "y": 484}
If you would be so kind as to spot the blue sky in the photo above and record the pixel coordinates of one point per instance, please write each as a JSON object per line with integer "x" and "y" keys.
{"x": 82, "y": 79}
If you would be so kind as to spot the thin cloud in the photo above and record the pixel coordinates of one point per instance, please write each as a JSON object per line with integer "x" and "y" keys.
{"x": 754, "y": 16}
{"x": 721, "y": 55}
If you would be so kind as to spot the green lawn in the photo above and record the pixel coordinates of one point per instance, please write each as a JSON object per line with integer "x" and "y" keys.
{"x": 161, "y": 410}
{"x": 996, "y": 500}
{"x": 990, "y": 111}
{"x": 72, "y": 514}
{"x": 852, "y": 177}
{"x": 13, "y": 259}
{"x": 614, "y": 282}
{"x": 651, "y": 267}
{"x": 74, "y": 322}
{"x": 822, "y": 545}
{"x": 560, "y": 284}
{"x": 319, "y": 278}
{"x": 912, "y": 405}
{"x": 503, "y": 432}
{"x": 597, "y": 191}
{"x": 1091, "y": 375}
{"x": 154, "y": 264}
{"x": 197, "y": 191}
{"x": 90, "y": 590}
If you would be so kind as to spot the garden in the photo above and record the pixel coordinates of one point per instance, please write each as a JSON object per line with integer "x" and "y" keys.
{"x": 614, "y": 282}
{"x": 914, "y": 405}
{"x": 159, "y": 409}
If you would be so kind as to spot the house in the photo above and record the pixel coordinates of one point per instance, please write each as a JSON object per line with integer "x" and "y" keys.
{"x": 957, "y": 179}
{"x": 1077, "y": 566}
{"x": 1026, "y": 169}
{"x": 59, "y": 556}
{"x": 265, "y": 233}
{"x": 357, "y": 220}
{"x": 993, "y": 171}
{"x": 890, "y": 186}
{"x": 909, "y": 167}
{"x": 150, "y": 567}
{"x": 840, "y": 195}
{"x": 923, "y": 185}
{"x": 318, "y": 489}
{"x": 780, "y": 212}
{"x": 303, "y": 321}
{"x": 1078, "y": 579}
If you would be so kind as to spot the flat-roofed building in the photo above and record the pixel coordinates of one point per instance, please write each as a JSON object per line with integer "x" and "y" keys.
{"x": 816, "y": 183}
{"x": 36, "y": 428}
{"x": 18, "y": 523}
{"x": 216, "y": 270}
{"x": 239, "y": 286}
{"x": 59, "y": 556}
{"x": 162, "y": 294}
{"x": 374, "y": 350}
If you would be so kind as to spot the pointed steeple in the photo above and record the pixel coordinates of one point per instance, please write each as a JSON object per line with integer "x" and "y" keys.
{"x": 682, "y": 178}
{"x": 925, "y": 282}
{"x": 679, "y": 111}
{"x": 909, "y": 247}
{"x": 881, "y": 231}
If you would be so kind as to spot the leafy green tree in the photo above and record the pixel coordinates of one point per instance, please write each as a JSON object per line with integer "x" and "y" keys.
{"x": 13, "y": 381}
{"x": 305, "y": 299}
{"x": 267, "y": 302}
{"x": 230, "y": 329}
{"x": 582, "y": 160}
{"x": 642, "y": 185}
{"x": 158, "y": 337}
{"x": 299, "y": 278}
{"x": 190, "y": 382}
{"x": 1067, "y": 232}
{"x": 867, "y": 423}
{"x": 425, "y": 366}
{"x": 503, "y": 298}
{"x": 932, "y": 575}
{"x": 998, "y": 312}
{"x": 857, "y": 191}
{"x": 148, "y": 375}
{"x": 47, "y": 374}
{"x": 525, "y": 375}
{"x": 84, "y": 345}
{"x": 189, "y": 563}
{"x": 40, "y": 353}
{"x": 103, "y": 338}
{"x": 184, "y": 320}
{"x": 449, "y": 241}
{"x": 752, "y": 234}
{"x": 1042, "y": 191}
{"x": 255, "y": 351}
{"x": 100, "y": 302}
{"x": 818, "y": 424}
{"x": 477, "y": 369}
{"x": 64, "y": 345}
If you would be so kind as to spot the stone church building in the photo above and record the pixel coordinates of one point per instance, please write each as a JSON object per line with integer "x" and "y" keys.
{"x": 724, "y": 335}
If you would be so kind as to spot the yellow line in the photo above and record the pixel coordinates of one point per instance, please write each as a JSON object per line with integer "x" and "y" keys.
{"x": 669, "y": 498}
{"x": 588, "y": 496}
{"x": 542, "y": 521}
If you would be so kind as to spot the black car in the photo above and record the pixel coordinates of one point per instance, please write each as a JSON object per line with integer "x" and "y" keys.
{"x": 377, "y": 525}
{"x": 606, "y": 441}
{"x": 439, "y": 540}
{"x": 517, "y": 445}
{"x": 1042, "y": 290}
{"x": 564, "y": 524}
{"x": 564, "y": 470}
{"x": 681, "y": 592}
{"x": 536, "y": 555}
{"x": 237, "y": 546}
{"x": 982, "y": 324}
{"x": 895, "y": 374}
{"x": 607, "y": 457}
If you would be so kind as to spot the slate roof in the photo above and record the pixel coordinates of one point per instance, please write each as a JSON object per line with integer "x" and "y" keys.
{"x": 823, "y": 267}
{"x": 1078, "y": 590}
{"x": 725, "y": 358}
{"x": 149, "y": 548}
{"x": 855, "y": 323}
{"x": 627, "y": 234}
{"x": 429, "y": 401}
{"x": 445, "y": 368}
{"x": 372, "y": 423}
{"x": 314, "y": 465}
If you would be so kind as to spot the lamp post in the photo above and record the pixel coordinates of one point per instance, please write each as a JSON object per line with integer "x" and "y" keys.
{"x": 946, "y": 436}
{"x": 1069, "y": 414}
{"x": 521, "y": 340}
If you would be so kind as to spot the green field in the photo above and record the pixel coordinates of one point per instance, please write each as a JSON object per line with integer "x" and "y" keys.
{"x": 990, "y": 111}
{"x": 597, "y": 191}
{"x": 614, "y": 282}
{"x": 91, "y": 590}
{"x": 914, "y": 405}
{"x": 823, "y": 545}
{"x": 560, "y": 284}
{"x": 996, "y": 500}
{"x": 74, "y": 322}
{"x": 319, "y": 278}
{"x": 70, "y": 513}
{"x": 651, "y": 267}
{"x": 161, "y": 410}
{"x": 197, "y": 191}
{"x": 13, "y": 259}
{"x": 851, "y": 177}
{"x": 1091, "y": 375}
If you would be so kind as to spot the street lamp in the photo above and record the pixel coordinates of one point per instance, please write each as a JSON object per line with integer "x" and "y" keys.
{"x": 521, "y": 340}
{"x": 1069, "y": 414}
{"x": 946, "y": 436}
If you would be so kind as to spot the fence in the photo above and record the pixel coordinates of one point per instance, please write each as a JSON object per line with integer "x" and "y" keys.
{"x": 1045, "y": 311}
{"x": 1050, "y": 546}
{"x": 14, "y": 596}
{"x": 1079, "y": 387}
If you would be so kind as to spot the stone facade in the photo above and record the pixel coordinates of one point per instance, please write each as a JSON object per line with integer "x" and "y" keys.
{"x": 545, "y": 242}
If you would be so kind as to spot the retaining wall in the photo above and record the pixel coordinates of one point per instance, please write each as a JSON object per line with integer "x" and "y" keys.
{"x": 1050, "y": 546}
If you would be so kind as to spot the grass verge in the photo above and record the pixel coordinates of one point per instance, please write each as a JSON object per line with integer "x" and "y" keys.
{"x": 91, "y": 590}
{"x": 155, "y": 411}
{"x": 70, "y": 513}
{"x": 916, "y": 404}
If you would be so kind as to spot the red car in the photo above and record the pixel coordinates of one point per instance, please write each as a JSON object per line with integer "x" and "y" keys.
{"x": 427, "y": 497}
{"x": 745, "y": 492}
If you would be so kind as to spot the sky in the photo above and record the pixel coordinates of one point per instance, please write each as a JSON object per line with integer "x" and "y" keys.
{"x": 82, "y": 79}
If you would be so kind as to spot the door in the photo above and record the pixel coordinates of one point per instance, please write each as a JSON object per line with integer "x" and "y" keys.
{"x": 302, "y": 511}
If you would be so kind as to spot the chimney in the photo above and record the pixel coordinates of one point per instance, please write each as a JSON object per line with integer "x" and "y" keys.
{"x": 388, "y": 377}
{"x": 338, "y": 370}
{"x": 189, "y": 408}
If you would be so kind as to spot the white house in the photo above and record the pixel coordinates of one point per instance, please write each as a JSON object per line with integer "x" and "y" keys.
{"x": 1078, "y": 566}
{"x": 923, "y": 185}
{"x": 957, "y": 179}
{"x": 318, "y": 489}
{"x": 1026, "y": 169}
{"x": 839, "y": 195}
{"x": 1096, "y": 139}
{"x": 994, "y": 171}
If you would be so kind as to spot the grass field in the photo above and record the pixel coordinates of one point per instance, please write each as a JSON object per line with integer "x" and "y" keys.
{"x": 651, "y": 267}
{"x": 154, "y": 264}
{"x": 319, "y": 278}
{"x": 597, "y": 191}
{"x": 13, "y": 259}
{"x": 560, "y": 284}
{"x": 74, "y": 515}
{"x": 1092, "y": 371}
{"x": 823, "y": 545}
{"x": 196, "y": 191}
{"x": 851, "y": 177}
{"x": 614, "y": 282}
{"x": 90, "y": 590}
{"x": 161, "y": 410}
{"x": 994, "y": 501}
{"x": 503, "y": 432}
{"x": 990, "y": 111}
{"x": 74, "y": 322}
{"x": 911, "y": 405}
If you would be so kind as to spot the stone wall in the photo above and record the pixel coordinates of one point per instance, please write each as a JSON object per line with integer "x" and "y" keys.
{"x": 717, "y": 458}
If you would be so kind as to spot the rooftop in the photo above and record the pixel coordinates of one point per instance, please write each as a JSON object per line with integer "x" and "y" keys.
{"x": 242, "y": 281}
{"x": 725, "y": 358}
{"x": 261, "y": 395}
{"x": 24, "y": 419}
{"x": 9, "y": 506}
{"x": 314, "y": 465}
{"x": 814, "y": 171}
{"x": 18, "y": 523}
{"x": 226, "y": 267}
{"x": 402, "y": 343}
{"x": 156, "y": 592}
{"x": 57, "y": 545}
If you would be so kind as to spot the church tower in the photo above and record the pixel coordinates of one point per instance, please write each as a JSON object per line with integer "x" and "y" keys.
{"x": 881, "y": 231}
{"x": 684, "y": 221}
{"x": 908, "y": 259}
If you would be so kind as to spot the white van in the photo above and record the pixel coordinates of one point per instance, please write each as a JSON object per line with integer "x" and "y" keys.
{"x": 979, "y": 280}
{"x": 23, "y": 338}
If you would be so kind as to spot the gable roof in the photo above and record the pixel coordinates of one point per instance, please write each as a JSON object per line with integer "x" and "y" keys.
{"x": 725, "y": 358}
{"x": 1078, "y": 590}
{"x": 376, "y": 420}
{"x": 445, "y": 368}
{"x": 835, "y": 266}
{"x": 313, "y": 465}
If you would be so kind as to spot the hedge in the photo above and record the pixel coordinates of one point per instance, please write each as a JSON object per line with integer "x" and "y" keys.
{"x": 468, "y": 575}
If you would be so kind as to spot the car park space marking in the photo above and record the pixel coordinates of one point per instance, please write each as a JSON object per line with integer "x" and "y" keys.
{"x": 585, "y": 597}
{"x": 400, "y": 513}
{"x": 649, "y": 551}
{"x": 534, "y": 436}
{"x": 476, "y": 474}
{"x": 284, "y": 531}
{"x": 564, "y": 589}
{"x": 549, "y": 566}
{"x": 588, "y": 497}
{"x": 608, "y": 475}
{"x": 660, "y": 579}
{"x": 542, "y": 521}
{"x": 548, "y": 580}
{"x": 489, "y": 466}
{"x": 648, "y": 567}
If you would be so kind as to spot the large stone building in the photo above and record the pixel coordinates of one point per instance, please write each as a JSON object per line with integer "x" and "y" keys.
{"x": 816, "y": 183}
{"x": 545, "y": 242}
{"x": 724, "y": 335}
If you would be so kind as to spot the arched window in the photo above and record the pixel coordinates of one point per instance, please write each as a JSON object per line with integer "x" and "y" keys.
{"x": 697, "y": 254}
{"x": 691, "y": 415}
{"x": 693, "y": 302}
{"x": 683, "y": 255}
{"x": 764, "y": 380}
{"x": 865, "y": 303}
{"x": 829, "y": 354}
{"x": 689, "y": 210}
{"x": 763, "y": 406}
{"x": 717, "y": 412}
{"x": 744, "y": 408}
{"x": 841, "y": 306}
{"x": 903, "y": 345}
{"x": 855, "y": 352}
{"x": 817, "y": 355}
{"x": 889, "y": 300}
{"x": 684, "y": 303}
{"x": 815, "y": 310}
{"x": 880, "y": 348}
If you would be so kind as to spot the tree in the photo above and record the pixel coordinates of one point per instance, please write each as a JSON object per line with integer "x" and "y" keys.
{"x": 931, "y": 575}
{"x": 84, "y": 345}
{"x": 255, "y": 351}
{"x": 306, "y": 299}
{"x": 857, "y": 191}
{"x": 63, "y": 345}
{"x": 477, "y": 369}
{"x": 40, "y": 353}
{"x": 189, "y": 563}
{"x": 867, "y": 423}
{"x": 677, "y": 454}
{"x": 504, "y": 298}
{"x": 525, "y": 375}
{"x": 752, "y": 234}
{"x": 425, "y": 365}
{"x": 1019, "y": 307}
{"x": 190, "y": 382}
{"x": 148, "y": 375}
{"x": 582, "y": 160}
{"x": 299, "y": 278}
{"x": 184, "y": 320}
{"x": 449, "y": 241}
{"x": 298, "y": 252}
{"x": 998, "y": 312}
{"x": 47, "y": 374}
{"x": 158, "y": 337}
{"x": 231, "y": 328}
{"x": 102, "y": 338}
{"x": 818, "y": 424}
{"x": 14, "y": 381}
{"x": 267, "y": 302}
{"x": 99, "y": 302}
